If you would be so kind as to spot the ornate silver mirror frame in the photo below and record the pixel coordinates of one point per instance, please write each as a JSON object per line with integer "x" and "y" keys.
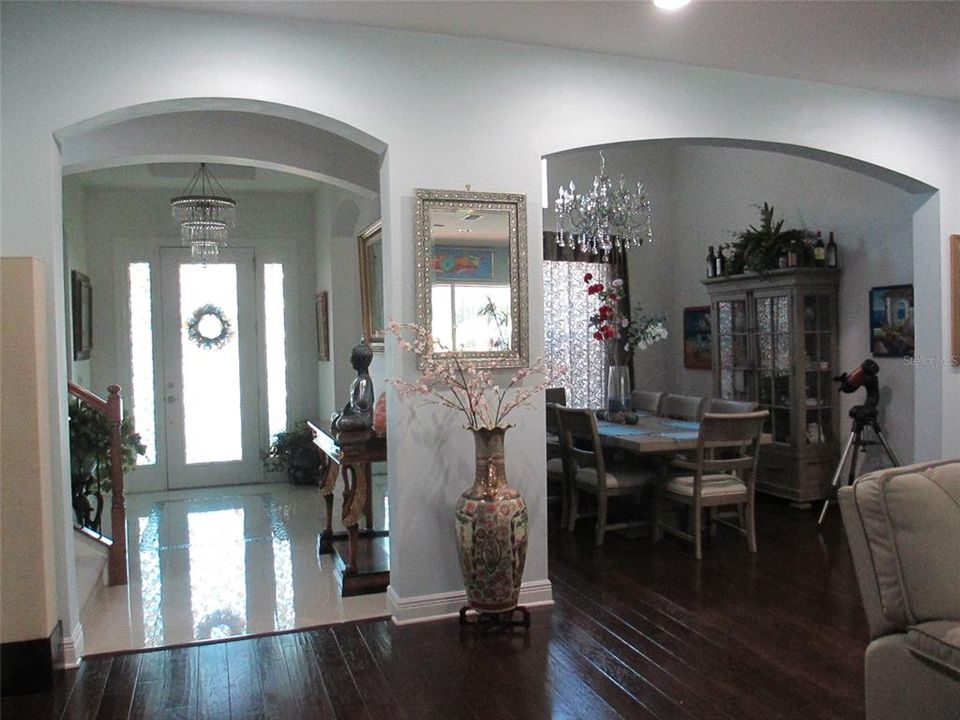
{"x": 443, "y": 258}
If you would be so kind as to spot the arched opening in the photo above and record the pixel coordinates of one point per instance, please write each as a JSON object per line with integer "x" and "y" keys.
{"x": 704, "y": 191}
{"x": 305, "y": 186}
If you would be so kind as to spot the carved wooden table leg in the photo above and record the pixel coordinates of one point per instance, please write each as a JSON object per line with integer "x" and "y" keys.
{"x": 328, "y": 479}
{"x": 354, "y": 498}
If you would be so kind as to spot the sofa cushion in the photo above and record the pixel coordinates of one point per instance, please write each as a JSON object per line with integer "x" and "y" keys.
{"x": 911, "y": 520}
{"x": 937, "y": 642}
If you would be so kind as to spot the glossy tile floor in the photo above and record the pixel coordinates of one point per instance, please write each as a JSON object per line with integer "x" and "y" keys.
{"x": 222, "y": 562}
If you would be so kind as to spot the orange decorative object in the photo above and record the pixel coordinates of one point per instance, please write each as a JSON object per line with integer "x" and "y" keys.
{"x": 380, "y": 414}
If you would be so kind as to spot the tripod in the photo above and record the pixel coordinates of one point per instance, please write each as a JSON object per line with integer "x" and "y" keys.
{"x": 863, "y": 416}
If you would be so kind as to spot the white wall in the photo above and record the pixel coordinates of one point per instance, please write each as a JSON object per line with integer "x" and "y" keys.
{"x": 417, "y": 93}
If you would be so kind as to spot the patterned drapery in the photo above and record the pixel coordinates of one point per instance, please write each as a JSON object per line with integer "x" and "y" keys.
{"x": 568, "y": 336}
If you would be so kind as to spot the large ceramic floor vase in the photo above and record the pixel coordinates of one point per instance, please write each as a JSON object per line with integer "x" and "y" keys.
{"x": 491, "y": 530}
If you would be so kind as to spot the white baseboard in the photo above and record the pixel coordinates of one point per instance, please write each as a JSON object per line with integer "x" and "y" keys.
{"x": 73, "y": 647}
{"x": 426, "y": 608}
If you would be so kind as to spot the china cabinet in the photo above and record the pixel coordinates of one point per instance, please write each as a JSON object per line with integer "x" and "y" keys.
{"x": 775, "y": 343}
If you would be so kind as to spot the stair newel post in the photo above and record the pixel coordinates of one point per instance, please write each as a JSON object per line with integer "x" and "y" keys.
{"x": 117, "y": 566}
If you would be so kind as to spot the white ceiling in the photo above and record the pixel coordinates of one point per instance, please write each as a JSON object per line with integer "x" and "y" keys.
{"x": 908, "y": 46}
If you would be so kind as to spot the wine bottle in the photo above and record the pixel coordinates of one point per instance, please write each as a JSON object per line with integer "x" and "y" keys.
{"x": 721, "y": 261}
{"x": 832, "y": 252}
{"x": 782, "y": 259}
{"x": 711, "y": 263}
{"x": 793, "y": 254}
{"x": 819, "y": 251}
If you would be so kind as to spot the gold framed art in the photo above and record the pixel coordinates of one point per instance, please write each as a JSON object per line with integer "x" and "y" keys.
{"x": 370, "y": 248}
{"x": 323, "y": 326}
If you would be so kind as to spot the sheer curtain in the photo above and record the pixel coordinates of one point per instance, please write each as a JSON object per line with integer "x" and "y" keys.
{"x": 568, "y": 337}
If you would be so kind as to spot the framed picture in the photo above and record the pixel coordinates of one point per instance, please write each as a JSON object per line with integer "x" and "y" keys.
{"x": 462, "y": 263}
{"x": 955, "y": 295}
{"x": 891, "y": 321}
{"x": 370, "y": 246}
{"x": 323, "y": 326}
{"x": 697, "y": 336}
{"x": 82, "y": 306}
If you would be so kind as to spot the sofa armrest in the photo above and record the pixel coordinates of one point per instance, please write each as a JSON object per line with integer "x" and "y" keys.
{"x": 937, "y": 642}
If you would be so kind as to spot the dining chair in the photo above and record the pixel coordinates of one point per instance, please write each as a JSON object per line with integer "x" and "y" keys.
{"x": 714, "y": 482}
{"x": 557, "y": 486}
{"x": 587, "y": 472}
{"x": 682, "y": 407}
{"x": 556, "y": 395}
{"x": 645, "y": 401}
{"x": 716, "y": 406}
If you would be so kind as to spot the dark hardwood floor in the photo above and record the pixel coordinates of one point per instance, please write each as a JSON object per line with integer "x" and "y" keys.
{"x": 638, "y": 631}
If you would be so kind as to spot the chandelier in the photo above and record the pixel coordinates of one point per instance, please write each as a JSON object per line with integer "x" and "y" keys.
{"x": 608, "y": 218}
{"x": 204, "y": 212}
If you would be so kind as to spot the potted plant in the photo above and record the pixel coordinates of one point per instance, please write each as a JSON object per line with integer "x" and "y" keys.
{"x": 758, "y": 249}
{"x": 293, "y": 450}
{"x": 90, "y": 459}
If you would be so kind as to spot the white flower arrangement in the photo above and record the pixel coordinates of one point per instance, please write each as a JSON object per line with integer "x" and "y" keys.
{"x": 451, "y": 382}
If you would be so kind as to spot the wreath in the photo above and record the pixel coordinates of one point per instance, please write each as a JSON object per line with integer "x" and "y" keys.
{"x": 209, "y": 327}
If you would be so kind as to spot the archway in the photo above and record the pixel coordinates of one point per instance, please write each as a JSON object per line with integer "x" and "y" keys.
{"x": 344, "y": 161}
{"x": 884, "y": 213}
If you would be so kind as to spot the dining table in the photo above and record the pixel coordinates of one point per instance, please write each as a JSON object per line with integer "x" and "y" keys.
{"x": 651, "y": 435}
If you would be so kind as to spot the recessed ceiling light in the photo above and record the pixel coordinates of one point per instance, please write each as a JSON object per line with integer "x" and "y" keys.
{"x": 670, "y": 4}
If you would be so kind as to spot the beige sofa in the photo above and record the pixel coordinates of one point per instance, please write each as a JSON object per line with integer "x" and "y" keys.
{"x": 903, "y": 526}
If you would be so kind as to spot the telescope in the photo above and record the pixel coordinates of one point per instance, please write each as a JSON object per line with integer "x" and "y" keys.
{"x": 865, "y": 415}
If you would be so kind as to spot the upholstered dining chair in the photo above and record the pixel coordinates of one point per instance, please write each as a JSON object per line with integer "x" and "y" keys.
{"x": 557, "y": 485}
{"x": 710, "y": 482}
{"x": 716, "y": 406}
{"x": 588, "y": 473}
{"x": 645, "y": 401}
{"x": 682, "y": 407}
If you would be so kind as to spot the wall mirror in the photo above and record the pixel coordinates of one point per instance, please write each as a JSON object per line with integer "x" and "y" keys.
{"x": 370, "y": 245}
{"x": 472, "y": 275}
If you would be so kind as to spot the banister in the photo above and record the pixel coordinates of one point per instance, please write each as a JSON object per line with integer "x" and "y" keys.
{"x": 112, "y": 408}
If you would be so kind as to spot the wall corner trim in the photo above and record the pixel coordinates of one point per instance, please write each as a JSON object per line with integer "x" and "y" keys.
{"x": 439, "y": 606}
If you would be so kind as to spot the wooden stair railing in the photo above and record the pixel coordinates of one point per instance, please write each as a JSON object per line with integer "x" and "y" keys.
{"x": 112, "y": 407}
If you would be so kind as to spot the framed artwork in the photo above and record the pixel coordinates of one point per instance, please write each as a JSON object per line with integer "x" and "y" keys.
{"x": 955, "y": 295}
{"x": 462, "y": 263}
{"x": 370, "y": 246}
{"x": 891, "y": 321}
{"x": 82, "y": 306}
{"x": 323, "y": 326}
{"x": 697, "y": 337}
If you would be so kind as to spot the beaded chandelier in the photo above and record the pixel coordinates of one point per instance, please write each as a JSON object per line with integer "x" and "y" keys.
{"x": 204, "y": 212}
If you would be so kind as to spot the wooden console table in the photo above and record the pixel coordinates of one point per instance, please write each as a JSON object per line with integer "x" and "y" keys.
{"x": 350, "y": 454}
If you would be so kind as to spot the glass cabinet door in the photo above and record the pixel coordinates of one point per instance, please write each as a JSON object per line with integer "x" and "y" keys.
{"x": 773, "y": 343}
{"x": 818, "y": 318}
{"x": 736, "y": 370}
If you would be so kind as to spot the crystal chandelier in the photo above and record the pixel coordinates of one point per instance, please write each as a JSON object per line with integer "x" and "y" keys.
{"x": 204, "y": 212}
{"x": 608, "y": 218}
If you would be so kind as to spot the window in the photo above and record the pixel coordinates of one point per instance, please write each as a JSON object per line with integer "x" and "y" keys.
{"x": 568, "y": 337}
{"x": 141, "y": 360}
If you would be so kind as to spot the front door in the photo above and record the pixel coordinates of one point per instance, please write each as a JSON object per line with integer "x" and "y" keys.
{"x": 210, "y": 397}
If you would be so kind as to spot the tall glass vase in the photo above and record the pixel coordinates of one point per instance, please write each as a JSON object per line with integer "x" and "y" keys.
{"x": 618, "y": 389}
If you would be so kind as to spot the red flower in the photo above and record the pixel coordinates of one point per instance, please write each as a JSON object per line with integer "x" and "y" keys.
{"x": 592, "y": 290}
{"x": 598, "y": 335}
{"x": 588, "y": 277}
{"x": 609, "y": 331}
{"x": 605, "y": 311}
{"x": 612, "y": 297}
